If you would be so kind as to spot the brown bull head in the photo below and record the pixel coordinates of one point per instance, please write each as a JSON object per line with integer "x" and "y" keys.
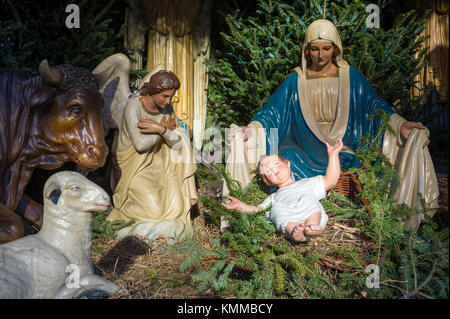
{"x": 71, "y": 125}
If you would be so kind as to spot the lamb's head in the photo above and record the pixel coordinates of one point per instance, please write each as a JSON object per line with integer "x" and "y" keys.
{"x": 71, "y": 191}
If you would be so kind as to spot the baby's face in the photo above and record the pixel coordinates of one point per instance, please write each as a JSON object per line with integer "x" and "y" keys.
{"x": 275, "y": 170}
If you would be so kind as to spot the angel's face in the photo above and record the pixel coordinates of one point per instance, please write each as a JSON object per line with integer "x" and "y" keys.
{"x": 164, "y": 98}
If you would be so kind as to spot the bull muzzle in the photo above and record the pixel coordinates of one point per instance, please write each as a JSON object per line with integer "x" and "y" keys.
{"x": 93, "y": 157}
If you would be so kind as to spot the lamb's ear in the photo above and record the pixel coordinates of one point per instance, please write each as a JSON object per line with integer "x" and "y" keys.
{"x": 53, "y": 194}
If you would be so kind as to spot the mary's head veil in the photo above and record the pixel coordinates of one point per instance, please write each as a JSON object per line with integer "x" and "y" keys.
{"x": 323, "y": 31}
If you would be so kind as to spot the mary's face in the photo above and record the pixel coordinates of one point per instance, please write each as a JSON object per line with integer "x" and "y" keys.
{"x": 321, "y": 54}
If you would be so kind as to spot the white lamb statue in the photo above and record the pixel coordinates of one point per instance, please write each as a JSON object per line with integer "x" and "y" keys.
{"x": 56, "y": 262}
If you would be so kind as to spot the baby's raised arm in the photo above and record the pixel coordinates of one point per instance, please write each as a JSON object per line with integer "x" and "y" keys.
{"x": 334, "y": 168}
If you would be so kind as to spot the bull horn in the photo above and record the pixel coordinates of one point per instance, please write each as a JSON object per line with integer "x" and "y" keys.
{"x": 104, "y": 76}
{"x": 50, "y": 75}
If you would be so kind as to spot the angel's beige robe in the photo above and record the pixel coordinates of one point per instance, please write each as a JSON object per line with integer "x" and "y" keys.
{"x": 157, "y": 186}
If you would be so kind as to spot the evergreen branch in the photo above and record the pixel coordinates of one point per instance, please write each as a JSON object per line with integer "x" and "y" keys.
{"x": 362, "y": 56}
{"x": 412, "y": 261}
{"x": 396, "y": 287}
{"x": 343, "y": 17}
{"x": 15, "y": 13}
{"x": 102, "y": 13}
{"x": 299, "y": 267}
{"x": 357, "y": 26}
{"x": 423, "y": 295}
{"x": 279, "y": 278}
{"x": 380, "y": 237}
{"x": 417, "y": 290}
{"x": 299, "y": 21}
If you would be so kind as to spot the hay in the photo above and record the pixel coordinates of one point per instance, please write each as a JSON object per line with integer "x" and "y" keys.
{"x": 145, "y": 270}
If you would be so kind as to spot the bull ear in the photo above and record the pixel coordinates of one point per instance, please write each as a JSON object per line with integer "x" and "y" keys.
{"x": 42, "y": 97}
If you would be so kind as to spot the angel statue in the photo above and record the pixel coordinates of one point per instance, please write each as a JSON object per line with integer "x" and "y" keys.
{"x": 154, "y": 181}
{"x": 326, "y": 99}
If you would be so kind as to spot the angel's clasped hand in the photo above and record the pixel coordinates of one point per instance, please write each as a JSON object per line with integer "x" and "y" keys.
{"x": 150, "y": 126}
{"x": 169, "y": 123}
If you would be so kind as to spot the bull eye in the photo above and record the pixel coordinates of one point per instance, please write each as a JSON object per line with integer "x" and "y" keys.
{"x": 76, "y": 111}
{"x": 75, "y": 188}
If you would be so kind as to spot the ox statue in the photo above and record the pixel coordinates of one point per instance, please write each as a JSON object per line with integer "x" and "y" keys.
{"x": 46, "y": 119}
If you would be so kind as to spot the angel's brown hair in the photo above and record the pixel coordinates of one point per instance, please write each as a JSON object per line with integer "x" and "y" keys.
{"x": 160, "y": 81}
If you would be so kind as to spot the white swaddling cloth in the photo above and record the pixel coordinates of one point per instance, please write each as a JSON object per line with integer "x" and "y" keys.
{"x": 296, "y": 202}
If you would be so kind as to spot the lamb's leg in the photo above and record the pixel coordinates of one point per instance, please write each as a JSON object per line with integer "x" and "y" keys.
{"x": 67, "y": 293}
{"x": 11, "y": 225}
{"x": 86, "y": 283}
{"x": 96, "y": 282}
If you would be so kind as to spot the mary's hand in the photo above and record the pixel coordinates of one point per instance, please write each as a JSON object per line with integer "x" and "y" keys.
{"x": 406, "y": 129}
{"x": 243, "y": 129}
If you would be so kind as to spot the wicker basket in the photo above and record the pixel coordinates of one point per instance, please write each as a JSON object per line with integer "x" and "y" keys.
{"x": 349, "y": 186}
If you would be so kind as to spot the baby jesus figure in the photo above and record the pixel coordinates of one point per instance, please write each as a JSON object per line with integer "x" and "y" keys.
{"x": 296, "y": 208}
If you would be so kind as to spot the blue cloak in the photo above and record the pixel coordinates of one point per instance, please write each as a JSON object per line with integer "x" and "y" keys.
{"x": 296, "y": 142}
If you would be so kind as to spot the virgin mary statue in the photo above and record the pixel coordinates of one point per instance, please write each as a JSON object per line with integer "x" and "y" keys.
{"x": 321, "y": 101}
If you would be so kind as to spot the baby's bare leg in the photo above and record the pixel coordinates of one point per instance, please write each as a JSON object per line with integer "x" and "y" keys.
{"x": 312, "y": 224}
